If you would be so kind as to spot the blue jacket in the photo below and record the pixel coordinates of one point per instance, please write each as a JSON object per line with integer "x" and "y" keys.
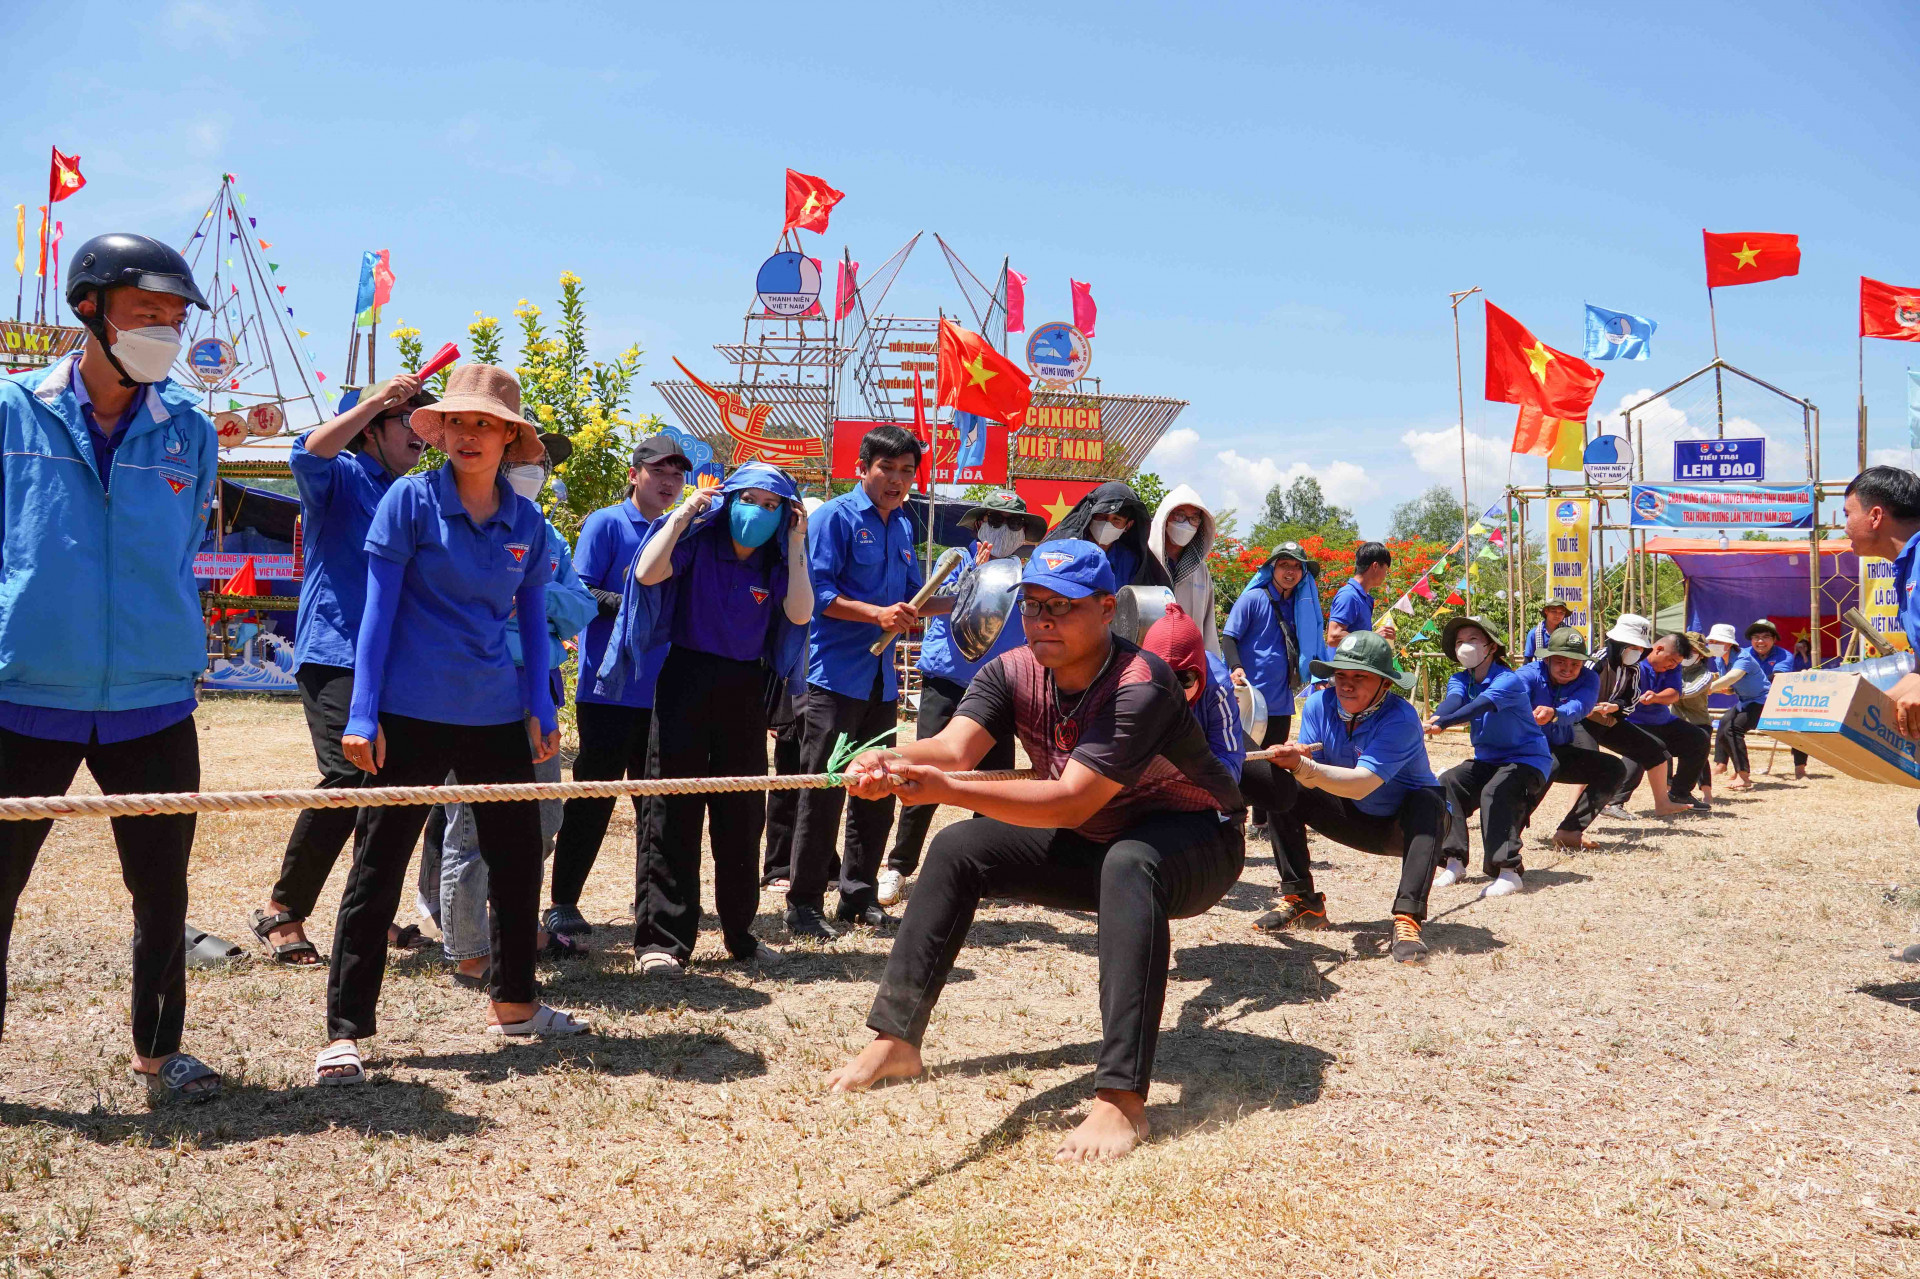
{"x": 570, "y": 606}
{"x": 99, "y": 610}
{"x": 1570, "y": 702}
{"x": 1218, "y": 711}
{"x": 646, "y": 612}
{"x": 1503, "y": 732}
{"x": 1254, "y": 626}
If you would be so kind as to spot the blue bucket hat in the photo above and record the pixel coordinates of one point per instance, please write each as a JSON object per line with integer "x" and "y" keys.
{"x": 1074, "y": 568}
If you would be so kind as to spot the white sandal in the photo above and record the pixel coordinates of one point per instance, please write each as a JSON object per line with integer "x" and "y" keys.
{"x": 658, "y": 963}
{"x": 546, "y": 1023}
{"x": 334, "y": 1055}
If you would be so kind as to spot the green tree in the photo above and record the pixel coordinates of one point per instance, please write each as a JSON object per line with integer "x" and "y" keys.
{"x": 1434, "y": 516}
{"x": 1150, "y": 488}
{"x": 1301, "y": 510}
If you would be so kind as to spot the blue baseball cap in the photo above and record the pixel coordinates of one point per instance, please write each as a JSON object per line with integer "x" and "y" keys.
{"x": 1074, "y": 568}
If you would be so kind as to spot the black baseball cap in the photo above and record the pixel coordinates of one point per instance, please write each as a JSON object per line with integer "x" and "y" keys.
{"x": 659, "y": 448}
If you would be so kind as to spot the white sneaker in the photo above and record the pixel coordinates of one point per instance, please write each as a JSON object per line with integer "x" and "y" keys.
{"x": 890, "y": 887}
{"x": 1450, "y": 874}
{"x": 1505, "y": 886}
{"x": 1617, "y": 813}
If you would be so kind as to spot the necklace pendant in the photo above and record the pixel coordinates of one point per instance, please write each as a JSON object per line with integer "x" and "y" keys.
{"x": 1066, "y": 734}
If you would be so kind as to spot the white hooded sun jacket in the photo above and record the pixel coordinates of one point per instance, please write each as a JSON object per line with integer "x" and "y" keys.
{"x": 1187, "y": 565}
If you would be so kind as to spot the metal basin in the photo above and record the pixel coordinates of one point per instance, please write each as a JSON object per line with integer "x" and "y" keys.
{"x": 982, "y": 603}
{"x": 1136, "y": 608}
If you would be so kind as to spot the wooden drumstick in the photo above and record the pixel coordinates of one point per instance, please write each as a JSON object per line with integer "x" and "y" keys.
{"x": 948, "y": 561}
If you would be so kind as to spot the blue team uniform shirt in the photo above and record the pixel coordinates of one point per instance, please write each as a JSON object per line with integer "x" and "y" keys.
{"x": 1652, "y": 681}
{"x": 1903, "y": 584}
{"x": 1754, "y": 677}
{"x": 942, "y": 658}
{"x": 1264, "y": 629}
{"x": 448, "y": 661}
{"x": 852, "y": 552}
{"x": 1503, "y": 733}
{"x": 609, "y": 541}
{"x": 1218, "y": 711}
{"x": 1352, "y": 607}
{"x": 1570, "y": 702}
{"x": 1537, "y": 639}
{"x": 1389, "y": 743}
{"x": 726, "y": 603}
{"x": 338, "y": 496}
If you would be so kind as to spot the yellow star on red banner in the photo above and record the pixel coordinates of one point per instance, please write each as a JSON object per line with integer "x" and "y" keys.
{"x": 1058, "y": 508}
{"x": 1538, "y": 357}
{"x": 978, "y": 373}
{"x": 1745, "y": 255}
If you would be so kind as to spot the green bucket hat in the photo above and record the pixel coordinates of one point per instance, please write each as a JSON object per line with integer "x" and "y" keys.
{"x": 1010, "y": 505}
{"x": 1363, "y": 651}
{"x": 1451, "y": 632}
{"x": 1292, "y": 551}
{"x": 1566, "y": 642}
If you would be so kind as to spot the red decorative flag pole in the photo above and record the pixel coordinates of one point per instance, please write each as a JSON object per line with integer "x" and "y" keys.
{"x": 1084, "y": 311}
{"x": 1748, "y": 257}
{"x": 1889, "y": 311}
{"x": 64, "y": 178}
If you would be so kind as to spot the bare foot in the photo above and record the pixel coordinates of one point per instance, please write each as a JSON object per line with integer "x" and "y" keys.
{"x": 884, "y": 1058}
{"x": 1572, "y": 839}
{"x": 1669, "y": 809}
{"x": 475, "y": 967}
{"x": 1116, "y": 1125}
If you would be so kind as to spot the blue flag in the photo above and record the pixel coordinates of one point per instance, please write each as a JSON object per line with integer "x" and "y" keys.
{"x": 1615, "y": 335}
{"x": 1913, "y": 408}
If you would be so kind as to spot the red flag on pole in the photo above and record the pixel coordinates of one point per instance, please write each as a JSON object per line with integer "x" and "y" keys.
{"x": 1016, "y": 302}
{"x": 845, "y": 288}
{"x": 1889, "y": 311}
{"x": 975, "y": 378}
{"x": 809, "y": 201}
{"x": 64, "y": 178}
{"x": 1521, "y": 369}
{"x": 1084, "y": 311}
{"x": 1748, "y": 257}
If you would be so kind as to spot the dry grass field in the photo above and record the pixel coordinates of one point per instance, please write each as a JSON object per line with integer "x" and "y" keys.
{"x": 1686, "y": 1053}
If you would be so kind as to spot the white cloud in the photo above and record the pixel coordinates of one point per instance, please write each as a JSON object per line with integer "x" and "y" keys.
{"x": 1242, "y": 482}
{"x": 1437, "y": 453}
{"x": 1906, "y": 459}
{"x": 1174, "y": 453}
{"x": 1658, "y": 424}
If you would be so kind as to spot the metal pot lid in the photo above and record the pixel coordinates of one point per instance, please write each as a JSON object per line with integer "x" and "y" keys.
{"x": 1137, "y": 608}
{"x": 982, "y": 604}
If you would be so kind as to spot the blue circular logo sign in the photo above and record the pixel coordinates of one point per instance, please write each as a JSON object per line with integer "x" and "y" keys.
{"x": 1606, "y": 450}
{"x": 1059, "y": 353}
{"x": 211, "y": 360}
{"x": 1646, "y": 502}
{"x": 788, "y": 284}
{"x": 1565, "y": 512}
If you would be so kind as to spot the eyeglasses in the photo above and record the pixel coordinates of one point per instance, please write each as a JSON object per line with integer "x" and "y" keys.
{"x": 1058, "y": 606}
{"x": 1189, "y": 679}
{"x": 404, "y": 417}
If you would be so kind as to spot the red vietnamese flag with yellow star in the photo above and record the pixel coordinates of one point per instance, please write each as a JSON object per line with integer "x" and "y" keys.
{"x": 975, "y": 378}
{"x": 1748, "y": 257}
{"x": 1521, "y": 369}
{"x": 809, "y": 201}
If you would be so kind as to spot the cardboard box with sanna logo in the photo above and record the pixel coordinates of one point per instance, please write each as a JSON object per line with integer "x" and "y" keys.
{"x": 1842, "y": 720}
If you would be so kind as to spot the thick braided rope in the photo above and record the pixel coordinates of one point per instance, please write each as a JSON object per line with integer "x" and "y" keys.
{"x": 261, "y": 801}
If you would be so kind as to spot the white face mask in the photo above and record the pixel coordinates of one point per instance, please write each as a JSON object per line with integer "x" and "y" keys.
{"x": 1106, "y": 534}
{"x": 1631, "y": 655}
{"x": 1721, "y": 651}
{"x": 1002, "y": 542}
{"x": 147, "y": 354}
{"x": 1180, "y": 532}
{"x": 527, "y": 480}
{"x": 1470, "y": 654}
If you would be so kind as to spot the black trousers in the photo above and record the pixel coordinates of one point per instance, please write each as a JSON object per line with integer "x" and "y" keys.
{"x": 153, "y": 858}
{"x": 1598, "y": 771}
{"x": 613, "y": 747}
{"x": 1505, "y": 795}
{"x": 1638, "y": 750}
{"x": 830, "y": 714}
{"x": 1169, "y": 866}
{"x": 712, "y": 722}
{"x": 1686, "y": 745}
{"x": 938, "y": 698}
{"x": 326, "y": 694}
{"x": 421, "y": 753}
{"x": 1412, "y": 833}
{"x": 1278, "y": 726}
{"x": 1730, "y": 739}
{"x": 783, "y": 806}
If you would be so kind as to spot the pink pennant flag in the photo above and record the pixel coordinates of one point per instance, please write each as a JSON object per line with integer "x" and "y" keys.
{"x": 1423, "y": 589}
{"x": 1016, "y": 302}
{"x": 1084, "y": 311}
{"x": 845, "y": 287}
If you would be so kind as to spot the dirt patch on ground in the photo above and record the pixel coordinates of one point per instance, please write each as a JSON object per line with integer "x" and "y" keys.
{"x": 1685, "y": 1053}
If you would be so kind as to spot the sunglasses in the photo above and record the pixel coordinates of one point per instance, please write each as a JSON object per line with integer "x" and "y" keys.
{"x": 1058, "y": 606}
{"x": 993, "y": 519}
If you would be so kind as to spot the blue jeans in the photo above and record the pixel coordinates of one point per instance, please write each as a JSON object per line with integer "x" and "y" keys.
{"x": 464, "y": 928}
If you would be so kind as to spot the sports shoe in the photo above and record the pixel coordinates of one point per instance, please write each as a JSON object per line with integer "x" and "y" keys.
{"x": 1617, "y": 813}
{"x": 1296, "y": 911}
{"x": 890, "y": 887}
{"x": 1407, "y": 947}
{"x": 763, "y": 956}
{"x": 1506, "y": 885}
{"x": 807, "y": 922}
{"x": 868, "y": 916}
{"x": 566, "y": 920}
{"x": 1452, "y": 873}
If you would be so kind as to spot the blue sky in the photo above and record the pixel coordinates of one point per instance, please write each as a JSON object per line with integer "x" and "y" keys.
{"x": 1271, "y": 206}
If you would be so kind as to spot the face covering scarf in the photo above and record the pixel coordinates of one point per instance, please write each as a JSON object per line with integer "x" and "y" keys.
{"x": 1632, "y": 655}
{"x": 1002, "y": 542}
{"x": 751, "y": 525}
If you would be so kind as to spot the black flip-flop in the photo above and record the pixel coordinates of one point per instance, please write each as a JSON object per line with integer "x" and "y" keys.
{"x": 176, "y": 1073}
{"x": 285, "y": 952}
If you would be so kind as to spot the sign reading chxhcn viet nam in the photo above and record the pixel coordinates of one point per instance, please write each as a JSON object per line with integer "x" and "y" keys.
{"x": 1880, "y": 602}
{"x": 1569, "y": 551}
{"x": 1062, "y": 433}
{"x": 1722, "y": 506}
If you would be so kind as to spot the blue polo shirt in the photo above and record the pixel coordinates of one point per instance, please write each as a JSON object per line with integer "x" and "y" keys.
{"x": 338, "y": 496}
{"x": 1352, "y": 607}
{"x": 1537, "y": 639}
{"x": 1389, "y": 743}
{"x": 449, "y": 661}
{"x": 941, "y": 658}
{"x": 725, "y": 603}
{"x": 1504, "y": 732}
{"x": 1754, "y": 678}
{"x": 1570, "y": 702}
{"x": 1264, "y": 633}
{"x": 1652, "y": 681}
{"x": 852, "y": 552}
{"x": 609, "y": 541}
{"x": 1903, "y": 583}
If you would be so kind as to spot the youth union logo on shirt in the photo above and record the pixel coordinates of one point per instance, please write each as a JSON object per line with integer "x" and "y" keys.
{"x": 864, "y": 537}
{"x": 759, "y": 594}
{"x": 519, "y": 551}
{"x": 1055, "y": 559}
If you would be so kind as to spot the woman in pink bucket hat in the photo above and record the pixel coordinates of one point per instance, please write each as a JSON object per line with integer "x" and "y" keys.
{"x": 451, "y": 555}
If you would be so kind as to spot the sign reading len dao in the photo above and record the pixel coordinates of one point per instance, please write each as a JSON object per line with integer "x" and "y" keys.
{"x": 1061, "y": 433}
{"x": 1719, "y": 461}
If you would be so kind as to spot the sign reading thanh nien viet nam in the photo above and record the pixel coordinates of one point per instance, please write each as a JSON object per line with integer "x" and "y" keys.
{"x": 1607, "y": 460}
{"x": 1061, "y": 433}
{"x": 1569, "y": 552}
{"x": 1722, "y": 506}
